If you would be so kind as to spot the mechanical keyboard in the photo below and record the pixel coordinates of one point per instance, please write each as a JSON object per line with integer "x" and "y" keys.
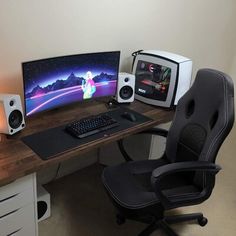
{"x": 91, "y": 125}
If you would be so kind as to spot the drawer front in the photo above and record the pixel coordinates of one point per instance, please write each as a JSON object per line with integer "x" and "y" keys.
{"x": 25, "y": 231}
{"x": 20, "y": 222}
{"x": 16, "y": 201}
{"x": 17, "y": 186}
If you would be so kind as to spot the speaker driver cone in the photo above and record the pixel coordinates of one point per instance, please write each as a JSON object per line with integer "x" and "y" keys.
{"x": 15, "y": 119}
{"x": 126, "y": 92}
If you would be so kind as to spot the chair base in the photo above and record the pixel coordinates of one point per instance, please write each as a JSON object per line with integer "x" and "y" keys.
{"x": 165, "y": 221}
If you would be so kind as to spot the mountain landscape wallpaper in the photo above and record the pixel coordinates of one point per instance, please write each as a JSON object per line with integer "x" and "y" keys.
{"x": 71, "y": 81}
{"x": 55, "y": 82}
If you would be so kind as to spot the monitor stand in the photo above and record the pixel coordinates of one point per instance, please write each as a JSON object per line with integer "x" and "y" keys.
{"x": 112, "y": 103}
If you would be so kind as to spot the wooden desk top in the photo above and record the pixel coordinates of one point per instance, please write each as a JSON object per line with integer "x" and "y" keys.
{"x": 17, "y": 159}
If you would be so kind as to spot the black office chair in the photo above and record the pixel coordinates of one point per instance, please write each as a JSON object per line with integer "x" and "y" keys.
{"x": 185, "y": 174}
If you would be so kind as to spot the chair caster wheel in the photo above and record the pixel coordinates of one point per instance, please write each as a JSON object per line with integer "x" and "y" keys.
{"x": 203, "y": 221}
{"x": 120, "y": 219}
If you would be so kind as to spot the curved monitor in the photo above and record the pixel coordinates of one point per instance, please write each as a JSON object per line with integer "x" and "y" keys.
{"x": 54, "y": 82}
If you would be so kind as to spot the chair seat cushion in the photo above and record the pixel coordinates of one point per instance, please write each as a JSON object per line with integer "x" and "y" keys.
{"x": 129, "y": 184}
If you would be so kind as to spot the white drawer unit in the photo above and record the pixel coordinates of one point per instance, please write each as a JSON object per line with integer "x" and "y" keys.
{"x": 18, "y": 208}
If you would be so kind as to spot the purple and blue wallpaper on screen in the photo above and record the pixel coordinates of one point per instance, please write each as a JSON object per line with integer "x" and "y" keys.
{"x": 54, "y": 82}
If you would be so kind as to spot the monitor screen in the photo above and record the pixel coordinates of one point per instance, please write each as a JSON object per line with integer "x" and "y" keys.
{"x": 54, "y": 82}
{"x": 153, "y": 80}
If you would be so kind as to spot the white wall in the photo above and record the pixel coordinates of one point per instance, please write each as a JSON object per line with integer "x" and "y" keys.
{"x": 31, "y": 29}
{"x": 233, "y": 65}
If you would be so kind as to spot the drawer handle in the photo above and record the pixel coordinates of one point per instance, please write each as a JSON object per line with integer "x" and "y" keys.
{"x": 11, "y": 234}
{"x": 10, "y": 213}
{"x": 5, "y": 199}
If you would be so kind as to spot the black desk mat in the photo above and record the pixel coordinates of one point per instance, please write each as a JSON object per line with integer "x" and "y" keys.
{"x": 51, "y": 142}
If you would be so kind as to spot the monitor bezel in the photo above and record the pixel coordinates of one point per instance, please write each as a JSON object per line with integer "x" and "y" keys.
{"x": 75, "y": 102}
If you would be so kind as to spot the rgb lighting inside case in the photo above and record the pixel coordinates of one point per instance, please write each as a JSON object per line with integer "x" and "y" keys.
{"x": 55, "y": 82}
{"x": 153, "y": 80}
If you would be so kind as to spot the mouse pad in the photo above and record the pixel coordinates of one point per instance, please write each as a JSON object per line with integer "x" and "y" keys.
{"x": 51, "y": 142}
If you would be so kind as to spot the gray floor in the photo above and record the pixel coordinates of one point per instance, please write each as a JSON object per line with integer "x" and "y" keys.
{"x": 81, "y": 207}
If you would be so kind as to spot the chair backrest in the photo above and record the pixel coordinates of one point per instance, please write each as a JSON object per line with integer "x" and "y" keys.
{"x": 204, "y": 117}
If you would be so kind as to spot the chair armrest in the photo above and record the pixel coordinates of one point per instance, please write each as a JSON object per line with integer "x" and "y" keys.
{"x": 154, "y": 131}
{"x": 123, "y": 151}
{"x": 162, "y": 171}
{"x": 185, "y": 166}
